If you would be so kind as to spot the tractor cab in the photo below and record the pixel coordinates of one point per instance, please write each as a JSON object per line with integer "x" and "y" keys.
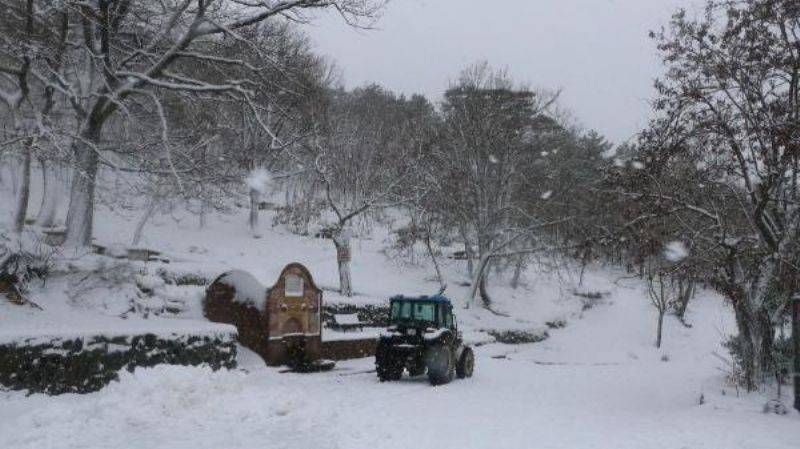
{"x": 420, "y": 315}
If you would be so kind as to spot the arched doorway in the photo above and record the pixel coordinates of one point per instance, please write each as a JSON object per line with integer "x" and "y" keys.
{"x": 291, "y": 326}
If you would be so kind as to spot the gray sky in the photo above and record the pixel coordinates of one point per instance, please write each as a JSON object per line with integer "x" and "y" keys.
{"x": 596, "y": 51}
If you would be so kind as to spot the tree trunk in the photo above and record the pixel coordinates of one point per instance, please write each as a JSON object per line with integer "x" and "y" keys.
{"x": 13, "y": 166}
{"x": 203, "y": 206}
{"x": 517, "y": 271}
{"x": 796, "y": 345}
{"x": 255, "y": 198}
{"x": 660, "y": 327}
{"x": 432, "y": 255}
{"x": 686, "y": 289}
{"x": 50, "y": 192}
{"x": 766, "y": 335}
{"x": 151, "y": 208}
{"x": 468, "y": 252}
{"x": 25, "y": 188}
{"x": 342, "y": 242}
{"x": 484, "y": 291}
{"x": 80, "y": 215}
{"x": 748, "y": 347}
{"x": 479, "y": 283}
{"x": 203, "y": 213}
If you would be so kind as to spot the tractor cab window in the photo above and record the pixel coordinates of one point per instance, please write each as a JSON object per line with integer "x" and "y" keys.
{"x": 413, "y": 310}
{"x": 424, "y": 311}
{"x": 445, "y": 316}
{"x": 401, "y": 310}
{"x": 442, "y": 316}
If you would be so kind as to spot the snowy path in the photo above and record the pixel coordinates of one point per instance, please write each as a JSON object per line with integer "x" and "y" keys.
{"x": 596, "y": 384}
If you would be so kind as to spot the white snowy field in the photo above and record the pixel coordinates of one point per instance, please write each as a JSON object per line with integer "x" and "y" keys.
{"x": 597, "y": 383}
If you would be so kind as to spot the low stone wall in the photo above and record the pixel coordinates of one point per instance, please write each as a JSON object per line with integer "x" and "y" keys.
{"x": 349, "y": 349}
{"x": 370, "y": 315}
{"x": 86, "y": 364}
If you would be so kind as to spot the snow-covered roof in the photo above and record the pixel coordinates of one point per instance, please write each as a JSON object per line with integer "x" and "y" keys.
{"x": 432, "y": 298}
{"x": 248, "y": 289}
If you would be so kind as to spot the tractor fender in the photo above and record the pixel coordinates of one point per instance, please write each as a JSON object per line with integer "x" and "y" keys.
{"x": 439, "y": 335}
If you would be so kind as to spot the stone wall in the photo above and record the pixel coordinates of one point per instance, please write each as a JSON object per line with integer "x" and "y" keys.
{"x": 86, "y": 364}
{"x": 370, "y": 315}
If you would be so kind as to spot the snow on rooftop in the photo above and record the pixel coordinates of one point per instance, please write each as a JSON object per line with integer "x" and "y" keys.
{"x": 248, "y": 289}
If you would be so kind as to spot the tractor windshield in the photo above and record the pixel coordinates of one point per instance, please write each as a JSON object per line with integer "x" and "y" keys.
{"x": 413, "y": 310}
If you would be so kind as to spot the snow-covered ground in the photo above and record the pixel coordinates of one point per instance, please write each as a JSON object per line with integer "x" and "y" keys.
{"x": 597, "y": 383}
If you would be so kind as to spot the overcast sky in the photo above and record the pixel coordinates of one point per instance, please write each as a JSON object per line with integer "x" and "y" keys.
{"x": 596, "y": 51}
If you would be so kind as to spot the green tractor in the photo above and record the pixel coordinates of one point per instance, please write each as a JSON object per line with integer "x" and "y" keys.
{"x": 422, "y": 337}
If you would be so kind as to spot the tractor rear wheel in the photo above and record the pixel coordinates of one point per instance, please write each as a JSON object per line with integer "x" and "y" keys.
{"x": 466, "y": 364}
{"x": 440, "y": 363}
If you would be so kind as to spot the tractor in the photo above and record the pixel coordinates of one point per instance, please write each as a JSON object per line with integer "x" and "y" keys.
{"x": 423, "y": 337}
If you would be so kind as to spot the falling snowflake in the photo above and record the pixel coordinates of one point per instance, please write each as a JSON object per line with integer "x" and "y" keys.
{"x": 676, "y": 251}
{"x": 547, "y": 195}
{"x": 258, "y": 180}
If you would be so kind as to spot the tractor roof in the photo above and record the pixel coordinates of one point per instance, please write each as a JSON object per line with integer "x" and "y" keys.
{"x": 425, "y": 298}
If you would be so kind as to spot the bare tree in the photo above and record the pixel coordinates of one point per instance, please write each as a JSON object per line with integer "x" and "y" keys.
{"x": 121, "y": 50}
{"x": 489, "y": 141}
{"x": 728, "y": 116}
{"x": 660, "y": 291}
{"x": 365, "y": 159}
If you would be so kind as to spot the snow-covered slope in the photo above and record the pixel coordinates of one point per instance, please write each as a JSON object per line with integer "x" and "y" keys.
{"x": 597, "y": 383}
{"x": 225, "y": 243}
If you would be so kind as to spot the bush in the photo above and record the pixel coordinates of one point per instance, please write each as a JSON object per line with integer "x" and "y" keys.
{"x": 22, "y": 262}
{"x": 782, "y": 360}
{"x": 516, "y": 337}
{"x": 590, "y": 299}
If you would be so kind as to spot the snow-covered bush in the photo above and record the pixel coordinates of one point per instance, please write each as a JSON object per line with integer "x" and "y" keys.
{"x": 590, "y": 299}
{"x": 516, "y": 337}
{"x": 23, "y": 260}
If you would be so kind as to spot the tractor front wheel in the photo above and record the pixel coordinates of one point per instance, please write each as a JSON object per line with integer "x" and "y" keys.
{"x": 466, "y": 364}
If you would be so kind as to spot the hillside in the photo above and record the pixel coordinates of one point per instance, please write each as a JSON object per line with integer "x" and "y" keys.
{"x": 597, "y": 382}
